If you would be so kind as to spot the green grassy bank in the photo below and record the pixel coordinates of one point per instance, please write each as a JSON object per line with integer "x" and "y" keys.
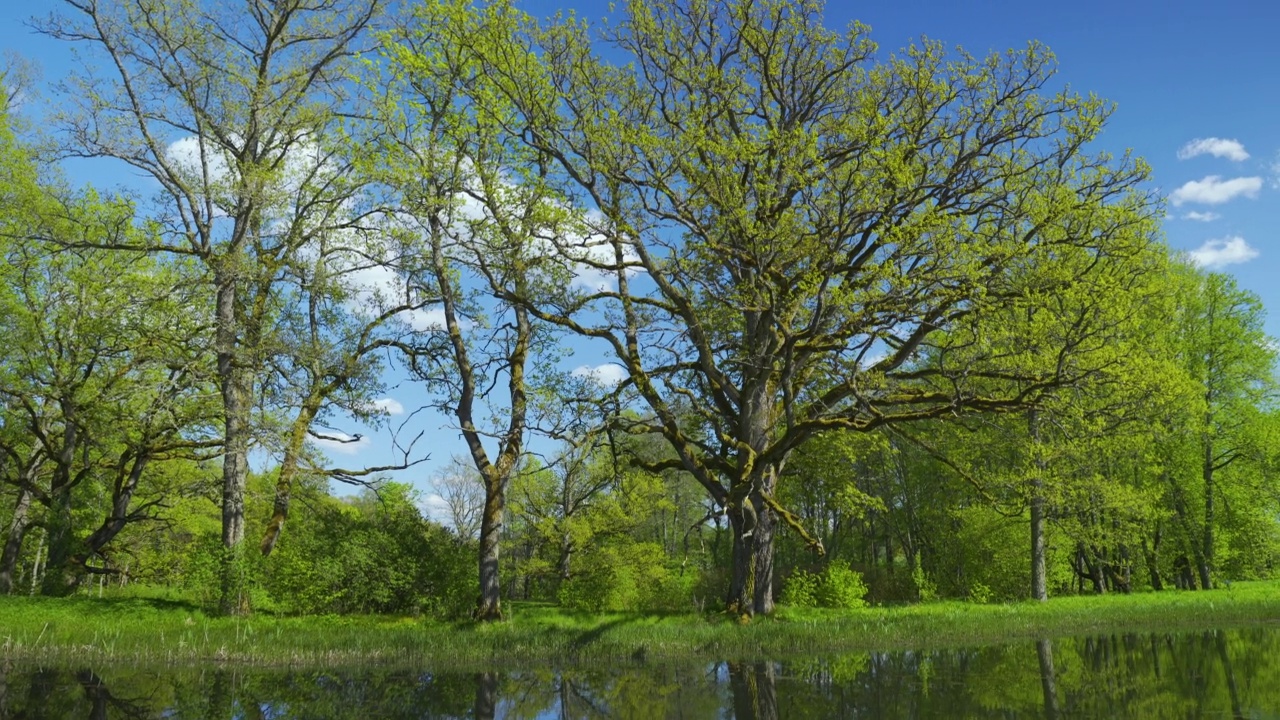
{"x": 147, "y": 631}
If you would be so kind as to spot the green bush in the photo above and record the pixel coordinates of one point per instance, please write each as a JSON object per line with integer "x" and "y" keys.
{"x": 627, "y": 576}
{"x": 841, "y": 587}
{"x": 837, "y": 586}
{"x": 801, "y": 590}
{"x": 926, "y": 590}
{"x": 370, "y": 555}
{"x": 603, "y": 582}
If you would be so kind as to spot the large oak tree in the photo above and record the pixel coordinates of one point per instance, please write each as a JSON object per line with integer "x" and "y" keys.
{"x": 791, "y": 220}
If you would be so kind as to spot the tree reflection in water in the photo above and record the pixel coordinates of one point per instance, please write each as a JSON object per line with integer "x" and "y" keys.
{"x": 1221, "y": 673}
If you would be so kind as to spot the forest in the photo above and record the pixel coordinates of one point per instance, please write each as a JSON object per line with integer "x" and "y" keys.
{"x": 868, "y": 327}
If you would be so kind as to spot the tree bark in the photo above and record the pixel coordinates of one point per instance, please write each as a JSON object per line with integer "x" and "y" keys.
{"x": 766, "y": 529}
{"x": 1151, "y": 554}
{"x": 13, "y": 541}
{"x": 1039, "y": 582}
{"x": 35, "y": 564}
{"x": 490, "y": 604}
{"x": 121, "y": 499}
{"x": 566, "y": 555}
{"x": 58, "y": 581}
{"x": 236, "y": 387}
{"x": 740, "y": 599}
{"x": 1204, "y": 559}
{"x": 60, "y": 537}
{"x": 289, "y": 471}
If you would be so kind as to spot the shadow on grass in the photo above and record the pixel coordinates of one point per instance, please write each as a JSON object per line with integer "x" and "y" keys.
{"x": 590, "y": 637}
{"x": 134, "y": 604}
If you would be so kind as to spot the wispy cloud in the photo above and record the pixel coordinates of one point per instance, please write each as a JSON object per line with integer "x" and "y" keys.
{"x": 1217, "y": 147}
{"x": 434, "y": 507}
{"x": 1213, "y": 190}
{"x": 606, "y": 375}
{"x": 390, "y": 406}
{"x": 1274, "y": 167}
{"x": 1219, "y": 253}
{"x": 1201, "y": 216}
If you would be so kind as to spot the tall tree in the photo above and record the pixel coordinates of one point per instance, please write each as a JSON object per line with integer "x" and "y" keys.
{"x": 220, "y": 106}
{"x": 1223, "y": 349}
{"x": 787, "y": 223}
{"x": 482, "y": 221}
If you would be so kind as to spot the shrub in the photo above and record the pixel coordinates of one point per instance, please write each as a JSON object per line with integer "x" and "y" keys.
{"x": 837, "y": 586}
{"x": 801, "y": 590}
{"x": 841, "y": 587}
{"x": 627, "y": 576}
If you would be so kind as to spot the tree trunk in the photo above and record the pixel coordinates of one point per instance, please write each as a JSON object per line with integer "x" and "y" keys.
{"x": 35, "y": 564}
{"x": 236, "y": 386}
{"x": 766, "y": 530}
{"x": 289, "y": 471}
{"x": 121, "y": 499}
{"x": 1152, "y": 557}
{"x": 566, "y": 555}
{"x": 1039, "y": 582}
{"x": 1092, "y": 569}
{"x": 58, "y": 580}
{"x": 754, "y": 527}
{"x": 1185, "y": 579}
{"x": 1189, "y": 544}
{"x": 13, "y": 541}
{"x": 1204, "y": 559}
{"x": 741, "y": 598}
{"x": 490, "y": 605}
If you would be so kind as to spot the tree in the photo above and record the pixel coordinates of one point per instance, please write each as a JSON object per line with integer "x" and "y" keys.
{"x": 788, "y": 224}
{"x": 234, "y": 112}
{"x": 1221, "y": 346}
{"x": 100, "y": 381}
{"x": 482, "y": 222}
{"x": 462, "y": 491}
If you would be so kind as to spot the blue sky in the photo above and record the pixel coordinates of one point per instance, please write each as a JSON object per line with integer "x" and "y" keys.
{"x": 1196, "y": 84}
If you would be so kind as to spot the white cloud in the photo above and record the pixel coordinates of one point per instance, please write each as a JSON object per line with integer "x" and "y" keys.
{"x": 593, "y": 260}
{"x": 1201, "y": 216}
{"x": 1217, "y": 147}
{"x": 342, "y": 443}
{"x": 606, "y": 375}
{"x": 871, "y": 359}
{"x": 390, "y": 406}
{"x": 434, "y": 507}
{"x": 1222, "y": 252}
{"x": 1213, "y": 190}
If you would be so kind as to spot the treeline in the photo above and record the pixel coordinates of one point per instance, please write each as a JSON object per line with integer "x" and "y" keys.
{"x": 875, "y": 327}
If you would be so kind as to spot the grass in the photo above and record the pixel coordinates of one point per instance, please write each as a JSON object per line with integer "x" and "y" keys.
{"x": 164, "y": 631}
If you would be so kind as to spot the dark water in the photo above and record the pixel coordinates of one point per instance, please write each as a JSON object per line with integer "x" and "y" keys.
{"x": 1232, "y": 673}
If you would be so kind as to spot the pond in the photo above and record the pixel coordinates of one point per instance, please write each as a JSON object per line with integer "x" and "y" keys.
{"x": 1231, "y": 673}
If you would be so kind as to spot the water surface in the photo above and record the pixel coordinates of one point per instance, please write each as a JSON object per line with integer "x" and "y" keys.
{"x": 1233, "y": 673}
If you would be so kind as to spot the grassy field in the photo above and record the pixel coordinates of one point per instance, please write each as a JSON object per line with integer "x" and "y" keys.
{"x": 153, "y": 631}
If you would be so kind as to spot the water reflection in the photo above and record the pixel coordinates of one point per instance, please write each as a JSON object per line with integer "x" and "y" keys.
{"x": 1215, "y": 674}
